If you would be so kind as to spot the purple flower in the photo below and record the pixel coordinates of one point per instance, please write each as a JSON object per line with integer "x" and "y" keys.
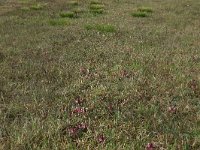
{"x": 110, "y": 107}
{"x": 77, "y": 131}
{"x": 172, "y": 109}
{"x": 101, "y": 138}
{"x": 150, "y": 146}
{"x": 84, "y": 71}
{"x": 72, "y": 131}
{"x": 79, "y": 110}
{"x": 82, "y": 126}
{"x": 124, "y": 74}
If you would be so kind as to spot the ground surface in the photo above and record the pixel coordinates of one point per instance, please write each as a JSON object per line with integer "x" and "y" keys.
{"x": 114, "y": 74}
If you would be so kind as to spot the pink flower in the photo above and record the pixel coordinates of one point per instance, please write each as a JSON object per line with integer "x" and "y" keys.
{"x": 172, "y": 109}
{"x": 150, "y": 146}
{"x": 79, "y": 110}
{"x": 110, "y": 107}
{"x": 72, "y": 130}
{"x": 84, "y": 71}
{"x": 124, "y": 74}
{"x": 75, "y": 131}
{"x": 101, "y": 138}
{"x": 82, "y": 126}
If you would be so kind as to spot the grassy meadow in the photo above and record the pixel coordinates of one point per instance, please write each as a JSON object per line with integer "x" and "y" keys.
{"x": 105, "y": 75}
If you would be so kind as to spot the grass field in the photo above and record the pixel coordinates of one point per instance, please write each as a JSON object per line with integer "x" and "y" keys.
{"x": 107, "y": 75}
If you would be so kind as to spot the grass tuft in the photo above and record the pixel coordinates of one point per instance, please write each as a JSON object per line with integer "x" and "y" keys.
{"x": 101, "y": 28}
{"x": 36, "y": 7}
{"x": 68, "y": 14}
{"x": 98, "y": 11}
{"x": 73, "y": 3}
{"x": 142, "y": 12}
{"x": 95, "y": 2}
{"x": 78, "y": 10}
{"x": 145, "y": 9}
{"x": 97, "y": 8}
{"x": 139, "y": 14}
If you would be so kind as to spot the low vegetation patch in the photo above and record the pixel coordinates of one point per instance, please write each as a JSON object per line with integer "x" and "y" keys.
{"x": 95, "y": 2}
{"x": 78, "y": 10}
{"x": 73, "y": 3}
{"x": 101, "y": 28}
{"x": 142, "y": 12}
{"x": 68, "y": 14}
{"x": 37, "y": 6}
{"x": 145, "y": 9}
{"x": 98, "y": 11}
{"x": 139, "y": 14}
{"x": 96, "y": 8}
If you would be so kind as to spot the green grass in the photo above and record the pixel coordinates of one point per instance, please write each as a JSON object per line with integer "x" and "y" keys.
{"x": 96, "y": 8}
{"x": 37, "y": 7}
{"x": 139, "y": 14}
{"x": 101, "y": 28}
{"x": 111, "y": 82}
{"x": 145, "y": 9}
{"x": 68, "y": 14}
{"x": 95, "y": 2}
{"x": 97, "y": 11}
{"x": 79, "y": 10}
{"x": 73, "y": 3}
{"x": 142, "y": 12}
{"x": 59, "y": 22}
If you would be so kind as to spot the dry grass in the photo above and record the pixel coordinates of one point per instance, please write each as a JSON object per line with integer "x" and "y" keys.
{"x": 63, "y": 86}
{"x": 101, "y": 27}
